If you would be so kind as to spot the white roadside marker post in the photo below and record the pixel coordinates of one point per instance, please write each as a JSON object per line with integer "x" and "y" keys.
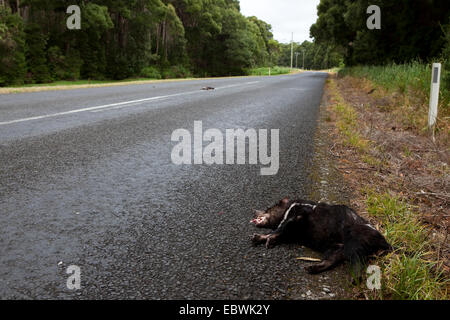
{"x": 434, "y": 97}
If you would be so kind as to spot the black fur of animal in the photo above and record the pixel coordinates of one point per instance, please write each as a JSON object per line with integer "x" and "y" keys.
{"x": 208, "y": 88}
{"x": 336, "y": 230}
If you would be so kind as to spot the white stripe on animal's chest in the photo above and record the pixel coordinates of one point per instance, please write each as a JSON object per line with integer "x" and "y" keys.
{"x": 293, "y": 205}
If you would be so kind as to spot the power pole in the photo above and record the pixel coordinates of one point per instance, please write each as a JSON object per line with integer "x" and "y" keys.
{"x": 296, "y": 60}
{"x": 292, "y": 50}
{"x": 303, "y": 59}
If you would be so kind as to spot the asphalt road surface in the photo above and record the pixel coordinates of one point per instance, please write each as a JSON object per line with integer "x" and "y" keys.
{"x": 86, "y": 179}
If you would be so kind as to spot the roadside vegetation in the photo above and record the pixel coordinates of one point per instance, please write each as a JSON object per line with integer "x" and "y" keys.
{"x": 411, "y": 272}
{"x": 378, "y": 111}
{"x": 410, "y": 81}
{"x": 264, "y": 71}
{"x": 399, "y": 180}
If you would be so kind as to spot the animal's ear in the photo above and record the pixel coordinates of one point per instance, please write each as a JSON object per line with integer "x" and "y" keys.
{"x": 257, "y": 213}
{"x": 285, "y": 200}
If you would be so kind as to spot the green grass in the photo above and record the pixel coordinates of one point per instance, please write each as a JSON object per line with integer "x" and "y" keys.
{"x": 264, "y": 71}
{"x": 409, "y": 78}
{"x": 402, "y": 228}
{"x": 408, "y": 274}
{"x": 253, "y": 72}
{"x": 347, "y": 122}
{"x": 412, "y": 277}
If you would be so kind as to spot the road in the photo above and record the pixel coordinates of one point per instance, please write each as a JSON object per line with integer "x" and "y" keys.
{"x": 86, "y": 179}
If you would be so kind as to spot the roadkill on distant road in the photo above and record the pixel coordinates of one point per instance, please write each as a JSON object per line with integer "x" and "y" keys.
{"x": 208, "y": 88}
{"x": 336, "y": 230}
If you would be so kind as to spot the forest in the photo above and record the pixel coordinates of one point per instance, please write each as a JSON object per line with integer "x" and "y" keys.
{"x": 120, "y": 39}
{"x": 412, "y": 31}
{"x": 156, "y": 39}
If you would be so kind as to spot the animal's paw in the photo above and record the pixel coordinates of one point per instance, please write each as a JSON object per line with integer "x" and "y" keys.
{"x": 269, "y": 243}
{"x": 257, "y": 238}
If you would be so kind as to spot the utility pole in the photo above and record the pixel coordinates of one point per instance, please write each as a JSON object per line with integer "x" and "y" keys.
{"x": 292, "y": 50}
{"x": 303, "y": 59}
{"x": 296, "y": 60}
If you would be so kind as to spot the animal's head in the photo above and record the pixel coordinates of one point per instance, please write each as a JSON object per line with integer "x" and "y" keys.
{"x": 271, "y": 217}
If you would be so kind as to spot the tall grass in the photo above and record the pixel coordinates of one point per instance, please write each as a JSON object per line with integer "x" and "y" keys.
{"x": 402, "y": 226}
{"x": 409, "y": 273}
{"x": 409, "y": 78}
{"x": 347, "y": 121}
{"x": 264, "y": 71}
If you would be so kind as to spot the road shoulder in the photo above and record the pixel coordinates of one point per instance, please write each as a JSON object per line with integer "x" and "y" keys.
{"x": 325, "y": 184}
{"x": 396, "y": 179}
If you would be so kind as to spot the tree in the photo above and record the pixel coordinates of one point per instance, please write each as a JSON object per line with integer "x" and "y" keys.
{"x": 36, "y": 55}
{"x": 412, "y": 32}
{"x": 125, "y": 38}
{"x": 12, "y": 48}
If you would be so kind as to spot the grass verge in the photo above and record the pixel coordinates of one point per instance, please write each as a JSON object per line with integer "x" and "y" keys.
{"x": 411, "y": 273}
{"x": 388, "y": 170}
{"x": 408, "y": 85}
{"x": 81, "y": 84}
{"x": 264, "y": 71}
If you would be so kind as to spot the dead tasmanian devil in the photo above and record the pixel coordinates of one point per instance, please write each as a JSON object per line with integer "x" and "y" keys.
{"x": 336, "y": 230}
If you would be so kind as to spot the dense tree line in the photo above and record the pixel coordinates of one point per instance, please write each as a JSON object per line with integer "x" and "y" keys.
{"x": 127, "y": 38}
{"x": 410, "y": 29}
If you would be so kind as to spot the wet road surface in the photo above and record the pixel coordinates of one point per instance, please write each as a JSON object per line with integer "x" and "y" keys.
{"x": 86, "y": 179}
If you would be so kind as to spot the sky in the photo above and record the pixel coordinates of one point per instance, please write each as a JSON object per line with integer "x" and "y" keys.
{"x": 285, "y": 16}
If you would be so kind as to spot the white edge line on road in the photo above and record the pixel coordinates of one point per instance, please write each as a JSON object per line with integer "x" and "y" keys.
{"x": 237, "y": 85}
{"x": 114, "y": 105}
{"x": 119, "y": 107}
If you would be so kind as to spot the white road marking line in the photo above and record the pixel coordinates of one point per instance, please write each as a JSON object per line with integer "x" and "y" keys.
{"x": 237, "y": 85}
{"x": 298, "y": 89}
{"x": 114, "y": 105}
{"x": 123, "y": 106}
{"x": 79, "y": 110}
{"x": 226, "y": 87}
{"x": 119, "y": 107}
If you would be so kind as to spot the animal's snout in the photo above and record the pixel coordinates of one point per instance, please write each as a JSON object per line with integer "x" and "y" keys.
{"x": 259, "y": 221}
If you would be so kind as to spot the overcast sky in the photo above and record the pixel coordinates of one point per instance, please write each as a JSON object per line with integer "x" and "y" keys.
{"x": 285, "y": 16}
